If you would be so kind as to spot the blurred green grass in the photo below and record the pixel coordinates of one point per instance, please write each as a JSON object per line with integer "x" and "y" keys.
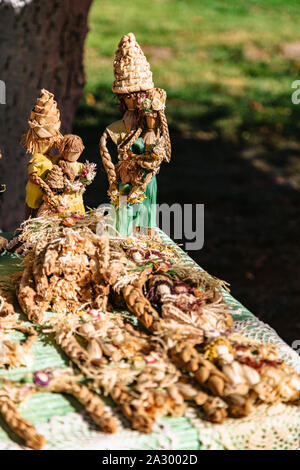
{"x": 227, "y": 66}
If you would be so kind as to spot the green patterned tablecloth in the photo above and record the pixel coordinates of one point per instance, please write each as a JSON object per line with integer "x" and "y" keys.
{"x": 66, "y": 426}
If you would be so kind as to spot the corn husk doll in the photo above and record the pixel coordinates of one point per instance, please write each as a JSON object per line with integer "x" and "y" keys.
{"x": 43, "y": 135}
{"x": 142, "y": 139}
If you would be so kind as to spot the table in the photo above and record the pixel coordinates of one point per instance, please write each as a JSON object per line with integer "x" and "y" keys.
{"x": 66, "y": 426}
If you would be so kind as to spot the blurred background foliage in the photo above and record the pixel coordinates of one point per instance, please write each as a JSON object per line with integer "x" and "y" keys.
{"x": 227, "y": 66}
{"x": 228, "y": 69}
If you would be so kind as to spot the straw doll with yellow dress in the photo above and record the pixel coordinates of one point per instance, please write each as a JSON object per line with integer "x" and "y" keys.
{"x": 66, "y": 182}
{"x": 43, "y": 135}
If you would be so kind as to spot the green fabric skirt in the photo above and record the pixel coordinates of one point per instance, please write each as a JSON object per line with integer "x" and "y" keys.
{"x": 143, "y": 215}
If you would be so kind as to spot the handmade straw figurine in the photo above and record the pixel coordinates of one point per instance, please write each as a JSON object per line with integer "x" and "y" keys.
{"x": 61, "y": 188}
{"x": 141, "y": 136}
{"x": 43, "y": 135}
{"x": 66, "y": 182}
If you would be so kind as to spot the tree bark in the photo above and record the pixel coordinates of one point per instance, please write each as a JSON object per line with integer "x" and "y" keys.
{"x": 41, "y": 46}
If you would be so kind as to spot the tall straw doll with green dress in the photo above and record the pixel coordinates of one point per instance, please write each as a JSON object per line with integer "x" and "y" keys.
{"x": 142, "y": 140}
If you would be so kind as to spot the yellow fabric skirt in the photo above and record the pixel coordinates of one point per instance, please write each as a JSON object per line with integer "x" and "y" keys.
{"x": 34, "y": 195}
{"x": 73, "y": 203}
{"x": 39, "y": 164}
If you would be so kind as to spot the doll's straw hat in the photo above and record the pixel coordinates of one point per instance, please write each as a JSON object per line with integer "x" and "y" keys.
{"x": 44, "y": 119}
{"x": 131, "y": 68}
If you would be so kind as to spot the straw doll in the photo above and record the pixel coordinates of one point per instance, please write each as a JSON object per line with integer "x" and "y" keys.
{"x": 42, "y": 136}
{"x": 67, "y": 181}
{"x": 142, "y": 139}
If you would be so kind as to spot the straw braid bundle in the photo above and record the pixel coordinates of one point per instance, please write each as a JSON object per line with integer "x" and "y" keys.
{"x": 54, "y": 381}
{"x": 142, "y": 377}
{"x": 208, "y": 375}
{"x": 18, "y": 424}
{"x": 71, "y": 347}
{"x": 186, "y": 356}
{"x": 92, "y": 403}
{"x": 139, "y": 305}
{"x": 27, "y": 296}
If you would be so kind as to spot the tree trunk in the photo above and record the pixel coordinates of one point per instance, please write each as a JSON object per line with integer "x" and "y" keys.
{"x": 41, "y": 46}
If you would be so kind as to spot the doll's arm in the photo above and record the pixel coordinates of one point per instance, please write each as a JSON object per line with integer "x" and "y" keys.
{"x": 41, "y": 183}
{"x": 49, "y": 197}
{"x": 107, "y": 163}
{"x": 137, "y": 194}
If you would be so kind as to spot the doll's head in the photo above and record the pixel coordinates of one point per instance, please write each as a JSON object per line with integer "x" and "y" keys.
{"x": 71, "y": 147}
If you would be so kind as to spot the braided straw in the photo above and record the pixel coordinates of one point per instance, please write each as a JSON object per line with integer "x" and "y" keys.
{"x": 26, "y": 297}
{"x": 107, "y": 163}
{"x": 133, "y": 136}
{"x": 72, "y": 349}
{"x": 133, "y": 409}
{"x": 56, "y": 180}
{"x": 207, "y": 374}
{"x": 42, "y": 184}
{"x": 131, "y": 69}
{"x": 185, "y": 355}
{"x": 165, "y": 133}
{"x": 139, "y": 305}
{"x": 18, "y": 424}
{"x": 92, "y": 404}
{"x": 213, "y": 408}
